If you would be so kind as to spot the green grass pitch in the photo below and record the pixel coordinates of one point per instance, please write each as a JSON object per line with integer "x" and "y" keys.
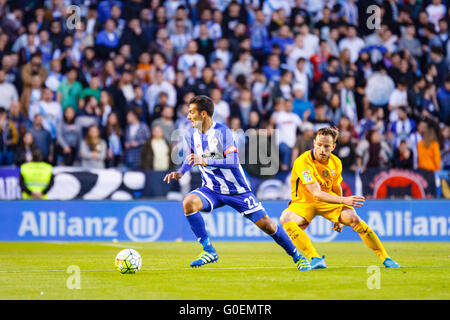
{"x": 246, "y": 270}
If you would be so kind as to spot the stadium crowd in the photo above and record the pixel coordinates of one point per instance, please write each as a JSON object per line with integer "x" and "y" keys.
{"x": 109, "y": 89}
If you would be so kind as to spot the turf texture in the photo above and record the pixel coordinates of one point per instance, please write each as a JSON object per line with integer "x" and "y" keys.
{"x": 245, "y": 270}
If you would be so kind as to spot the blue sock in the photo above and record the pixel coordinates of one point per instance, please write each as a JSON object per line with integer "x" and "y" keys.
{"x": 281, "y": 237}
{"x": 198, "y": 227}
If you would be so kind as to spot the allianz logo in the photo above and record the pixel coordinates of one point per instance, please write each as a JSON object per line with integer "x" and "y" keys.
{"x": 142, "y": 223}
{"x": 384, "y": 223}
{"x": 402, "y": 223}
{"x": 231, "y": 224}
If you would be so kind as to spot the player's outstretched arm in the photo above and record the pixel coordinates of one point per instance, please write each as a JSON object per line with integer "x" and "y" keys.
{"x": 314, "y": 188}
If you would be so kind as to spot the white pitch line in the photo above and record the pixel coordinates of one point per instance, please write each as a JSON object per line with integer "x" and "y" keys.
{"x": 205, "y": 268}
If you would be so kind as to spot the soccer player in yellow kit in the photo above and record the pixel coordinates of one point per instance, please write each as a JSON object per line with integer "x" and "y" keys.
{"x": 316, "y": 190}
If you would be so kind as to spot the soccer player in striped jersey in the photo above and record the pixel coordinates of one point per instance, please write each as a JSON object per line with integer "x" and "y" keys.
{"x": 211, "y": 147}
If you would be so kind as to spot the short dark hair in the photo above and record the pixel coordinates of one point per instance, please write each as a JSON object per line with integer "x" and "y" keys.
{"x": 203, "y": 103}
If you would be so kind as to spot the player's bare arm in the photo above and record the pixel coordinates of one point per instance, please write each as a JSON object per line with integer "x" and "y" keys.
{"x": 314, "y": 189}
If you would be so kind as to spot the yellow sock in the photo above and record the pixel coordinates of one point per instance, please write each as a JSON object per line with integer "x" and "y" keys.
{"x": 300, "y": 239}
{"x": 371, "y": 240}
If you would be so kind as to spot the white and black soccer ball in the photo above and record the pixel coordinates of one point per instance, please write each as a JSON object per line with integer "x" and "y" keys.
{"x": 128, "y": 261}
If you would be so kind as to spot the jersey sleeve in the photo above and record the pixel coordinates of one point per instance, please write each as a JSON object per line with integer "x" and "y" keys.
{"x": 305, "y": 171}
{"x": 229, "y": 145}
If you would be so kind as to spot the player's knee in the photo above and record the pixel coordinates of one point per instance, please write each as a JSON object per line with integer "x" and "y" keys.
{"x": 285, "y": 217}
{"x": 267, "y": 225}
{"x": 190, "y": 204}
{"x": 270, "y": 227}
{"x": 354, "y": 220}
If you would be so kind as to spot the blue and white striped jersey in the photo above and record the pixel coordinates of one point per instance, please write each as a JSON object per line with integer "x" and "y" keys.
{"x": 224, "y": 173}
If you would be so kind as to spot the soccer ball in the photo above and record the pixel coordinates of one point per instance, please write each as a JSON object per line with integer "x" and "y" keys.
{"x": 128, "y": 261}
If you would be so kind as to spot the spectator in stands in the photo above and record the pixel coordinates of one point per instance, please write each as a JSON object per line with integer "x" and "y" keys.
{"x": 321, "y": 119}
{"x": 333, "y": 110}
{"x": 166, "y": 122}
{"x": 191, "y": 57}
{"x": 244, "y": 65}
{"x": 134, "y": 36}
{"x": 159, "y": 85}
{"x": 162, "y": 103}
{"x": 156, "y": 152}
{"x": 221, "y": 107}
{"x": 373, "y": 152}
{"x": 304, "y": 141}
{"x": 42, "y": 139}
{"x": 25, "y": 149}
{"x": 68, "y": 137}
{"x": 284, "y": 87}
{"x": 428, "y": 150}
{"x": 55, "y": 76}
{"x": 238, "y": 134}
{"x": 403, "y": 156}
{"x": 69, "y": 89}
{"x": 9, "y": 63}
{"x": 443, "y": 97}
{"x": 204, "y": 41}
{"x": 69, "y": 54}
{"x": 287, "y": 123}
{"x": 283, "y": 38}
{"x": 89, "y": 115}
{"x": 31, "y": 95}
{"x": 332, "y": 74}
{"x": 259, "y": 36}
{"x": 180, "y": 37}
{"x": 31, "y": 68}
{"x": 107, "y": 39}
{"x": 139, "y": 104}
{"x": 437, "y": 59}
{"x": 399, "y": 97}
{"x": 112, "y": 134}
{"x": 136, "y": 134}
{"x": 222, "y": 52}
{"x": 16, "y": 115}
{"x": 50, "y": 110}
{"x": 93, "y": 149}
{"x": 345, "y": 150}
{"x": 206, "y": 83}
{"x": 242, "y": 106}
{"x": 159, "y": 62}
{"x": 409, "y": 41}
{"x": 93, "y": 90}
{"x": 272, "y": 69}
{"x": 347, "y": 99}
{"x": 8, "y": 92}
{"x": 301, "y": 106}
{"x": 415, "y": 97}
{"x": 430, "y": 104}
{"x": 352, "y": 42}
{"x": 445, "y": 152}
{"x": 8, "y": 138}
{"x": 402, "y": 127}
{"x": 106, "y": 105}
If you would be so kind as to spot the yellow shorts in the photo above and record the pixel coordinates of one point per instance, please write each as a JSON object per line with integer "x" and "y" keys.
{"x": 330, "y": 211}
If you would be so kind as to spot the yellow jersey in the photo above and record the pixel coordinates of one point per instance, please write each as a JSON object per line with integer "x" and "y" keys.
{"x": 307, "y": 170}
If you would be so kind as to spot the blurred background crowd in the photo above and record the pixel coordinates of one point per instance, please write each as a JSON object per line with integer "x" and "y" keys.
{"x": 106, "y": 83}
